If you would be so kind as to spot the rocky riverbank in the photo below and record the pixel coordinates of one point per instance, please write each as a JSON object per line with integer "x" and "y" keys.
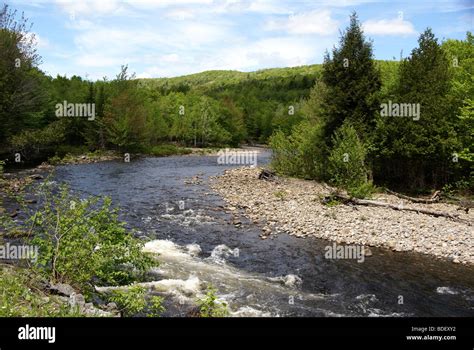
{"x": 294, "y": 206}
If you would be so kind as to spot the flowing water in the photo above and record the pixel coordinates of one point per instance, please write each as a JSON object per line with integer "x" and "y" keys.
{"x": 282, "y": 276}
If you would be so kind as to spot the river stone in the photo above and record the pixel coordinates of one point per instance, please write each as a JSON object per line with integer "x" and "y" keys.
{"x": 62, "y": 289}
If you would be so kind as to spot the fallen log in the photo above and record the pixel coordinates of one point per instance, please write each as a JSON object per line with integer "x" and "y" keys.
{"x": 434, "y": 198}
{"x": 368, "y": 202}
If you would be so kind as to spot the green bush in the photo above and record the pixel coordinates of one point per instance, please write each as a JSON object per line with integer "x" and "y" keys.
{"x": 346, "y": 162}
{"x": 31, "y": 141}
{"x": 82, "y": 242}
{"x": 363, "y": 190}
{"x": 210, "y": 306}
{"x": 301, "y": 153}
{"x": 133, "y": 301}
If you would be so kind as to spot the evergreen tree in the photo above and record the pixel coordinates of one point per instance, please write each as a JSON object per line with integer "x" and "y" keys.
{"x": 352, "y": 82}
{"x": 418, "y": 150}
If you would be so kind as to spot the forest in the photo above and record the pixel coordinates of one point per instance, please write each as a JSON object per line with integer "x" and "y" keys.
{"x": 323, "y": 121}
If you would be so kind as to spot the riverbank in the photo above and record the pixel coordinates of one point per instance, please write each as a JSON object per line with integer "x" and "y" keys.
{"x": 25, "y": 294}
{"x": 294, "y": 206}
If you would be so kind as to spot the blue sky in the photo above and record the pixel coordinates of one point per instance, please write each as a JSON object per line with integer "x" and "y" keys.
{"x": 93, "y": 38}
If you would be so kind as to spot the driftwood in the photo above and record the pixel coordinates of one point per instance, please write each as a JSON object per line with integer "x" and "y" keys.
{"x": 463, "y": 204}
{"x": 367, "y": 202}
{"x": 266, "y": 174}
{"x": 434, "y": 198}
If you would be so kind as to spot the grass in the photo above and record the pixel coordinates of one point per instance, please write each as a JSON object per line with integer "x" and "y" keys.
{"x": 281, "y": 195}
{"x": 21, "y": 296}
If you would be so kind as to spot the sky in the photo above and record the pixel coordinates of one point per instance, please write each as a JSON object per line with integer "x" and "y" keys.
{"x": 166, "y": 38}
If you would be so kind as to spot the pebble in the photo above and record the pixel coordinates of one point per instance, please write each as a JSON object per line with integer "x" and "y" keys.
{"x": 301, "y": 215}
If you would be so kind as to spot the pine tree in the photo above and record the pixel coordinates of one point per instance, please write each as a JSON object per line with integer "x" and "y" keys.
{"x": 352, "y": 82}
{"x": 418, "y": 151}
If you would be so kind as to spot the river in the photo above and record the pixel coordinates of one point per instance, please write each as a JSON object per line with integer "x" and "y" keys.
{"x": 281, "y": 276}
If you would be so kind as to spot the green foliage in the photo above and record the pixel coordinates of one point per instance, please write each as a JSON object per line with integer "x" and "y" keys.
{"x": 301, "y": 153}
{"x": 460, "y": 55}
{"x": 83, "y": 243}
{"x": 346, "y": 162}
{"x": 222, "y": 79}
{"x": 155, "y": 306}
{"x": 466, "y": 116}
{"x": 210, "y": 306}
{"x": 331, "y": 202}
{"x": 418, "y": 152}
{"x": 363, "y": 190}
{"x": 125, "y": 117}
{"x": 30, "y": 142}
{"x": 352, "y": 82}
{"x": 21, "y": 95}
{"x": 21, "y": 296}
{"x": 130, "y": 301}
{"x": 133, "y": 301}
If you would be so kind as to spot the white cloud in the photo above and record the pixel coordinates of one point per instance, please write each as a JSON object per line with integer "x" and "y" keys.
{"x": 179, "y": 14}
{"x": 92, "y": 8}
{"x": 197, "y": 33}
{"x": 37, "y": 40}
{"x": 313, "y": 22}
{"x": 268, "y": 7}
{"x": 170, "y": 58}
{"x": 89, "y": 7}
{"x": 396, "y": 26}
{"x": 271, "y": 52}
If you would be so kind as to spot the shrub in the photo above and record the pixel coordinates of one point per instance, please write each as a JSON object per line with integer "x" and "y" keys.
{"x": 346, "y": 162}
{"x": 133, "y": 301}
{"x": 82, "y": 242}
{"x": 210, "y": 306}
{"x": 33, "y": 141}
{"x": 300, "y": 154}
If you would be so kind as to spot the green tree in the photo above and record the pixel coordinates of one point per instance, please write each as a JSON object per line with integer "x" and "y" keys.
{"x": 418, "y": 151}
{"x": 126, "y": 115}
{"x": 346, "y": 163}
{"x": 21, "y": 97}
{"x": 352, "y": 82}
